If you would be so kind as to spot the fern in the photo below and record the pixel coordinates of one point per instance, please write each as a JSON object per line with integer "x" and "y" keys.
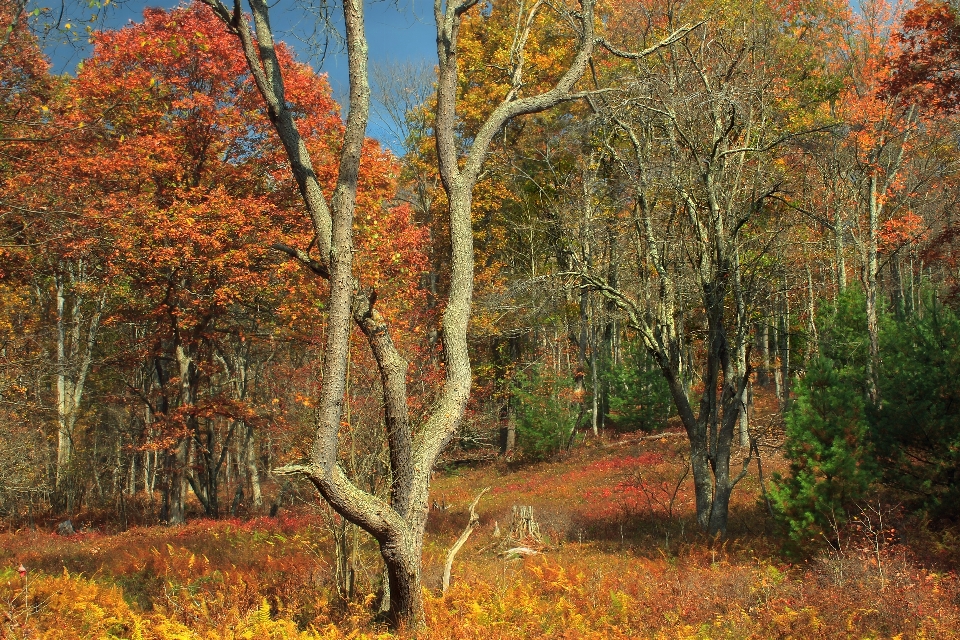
{"x": 262, "y": 617}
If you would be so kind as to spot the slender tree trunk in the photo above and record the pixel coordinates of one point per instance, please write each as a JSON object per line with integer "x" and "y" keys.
{"x": 594, "y": 381}
{"x": 870, "y": 283}
{"x": 742, "y": 335}
{"x": 840, "y": 264}
{"x": 607, "y": 350}
{"x": 812, "y": 337}
{"x": 763, "y": 333}
{"x": 784, "y": 335}
{"x": 131, "y": 487}
{"x": 65, "y": 413}
{"x": 775, "y": 340}
{"x": 896, "y": 287}
{"x": 911, "y": 286}
{"x": 253, "y": 471}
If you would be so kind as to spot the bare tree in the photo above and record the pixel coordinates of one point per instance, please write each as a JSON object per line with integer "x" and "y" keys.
{"x": 401, "y": 93}
{"x": 693, "y": 139}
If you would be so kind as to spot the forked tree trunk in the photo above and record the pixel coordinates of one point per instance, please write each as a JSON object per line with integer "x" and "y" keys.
{"x": 713, "y": 249}
{"x": 397, "y": 523}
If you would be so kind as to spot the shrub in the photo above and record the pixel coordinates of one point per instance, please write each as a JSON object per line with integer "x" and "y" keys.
{"x": 915, "y": 428}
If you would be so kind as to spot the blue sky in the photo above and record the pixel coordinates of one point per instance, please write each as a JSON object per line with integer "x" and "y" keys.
{"x": 397, "y": 31}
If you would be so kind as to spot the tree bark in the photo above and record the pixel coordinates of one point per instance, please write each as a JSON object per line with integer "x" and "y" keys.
{"x": 763, "y": 333}
{"x": 253, "y": 472}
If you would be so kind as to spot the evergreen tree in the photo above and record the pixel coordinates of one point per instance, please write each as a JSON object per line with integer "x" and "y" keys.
{"x": 916, "y": 428}
{"x": 639, "y": 396}
{"x": 544, "y": 409}
{"x": 829, "y": 462}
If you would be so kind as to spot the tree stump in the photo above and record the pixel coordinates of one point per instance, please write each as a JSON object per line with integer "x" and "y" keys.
{"x": 524, "y": 529}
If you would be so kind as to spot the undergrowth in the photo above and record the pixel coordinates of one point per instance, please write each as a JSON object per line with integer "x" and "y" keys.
{"x": 619, "y": 557}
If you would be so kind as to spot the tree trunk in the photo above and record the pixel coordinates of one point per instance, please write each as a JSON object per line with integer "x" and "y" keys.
{"x": 896, "y": 287}
{"x": 173, "y": 508}
{"x": 74, "y": 361}
{"x": 609, "y": 331}
{"x": 397, "y": 523}
{"x": 812, "y": 338}
{"x": 403, "y": 560}
{"x": 763, "y": 341}
{"x": 911, "y": 305}
{"x": 840, "y": 264}
{"x": 64, "y": 393}
{"x": 784, "y": 335}
{"x": 742, "y": 335}
{"x": 253, "y": 472}
{"x": 594, "y": 382}
{"x": 775, "y": 340}
{"x": 505, "y": 353}
{"x": 870, "y": 283}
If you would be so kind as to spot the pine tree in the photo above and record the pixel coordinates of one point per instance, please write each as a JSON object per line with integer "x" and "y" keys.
{"x": 830, "y": 469}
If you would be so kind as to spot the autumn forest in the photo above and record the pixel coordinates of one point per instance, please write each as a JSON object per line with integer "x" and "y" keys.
{"x": 615, "y": 319}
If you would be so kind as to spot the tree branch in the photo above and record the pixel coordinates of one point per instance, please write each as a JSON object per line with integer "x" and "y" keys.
{"x": 639, "y": 55}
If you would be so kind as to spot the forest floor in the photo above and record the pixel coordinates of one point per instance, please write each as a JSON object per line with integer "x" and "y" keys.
{"x": 615, "y": 554}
